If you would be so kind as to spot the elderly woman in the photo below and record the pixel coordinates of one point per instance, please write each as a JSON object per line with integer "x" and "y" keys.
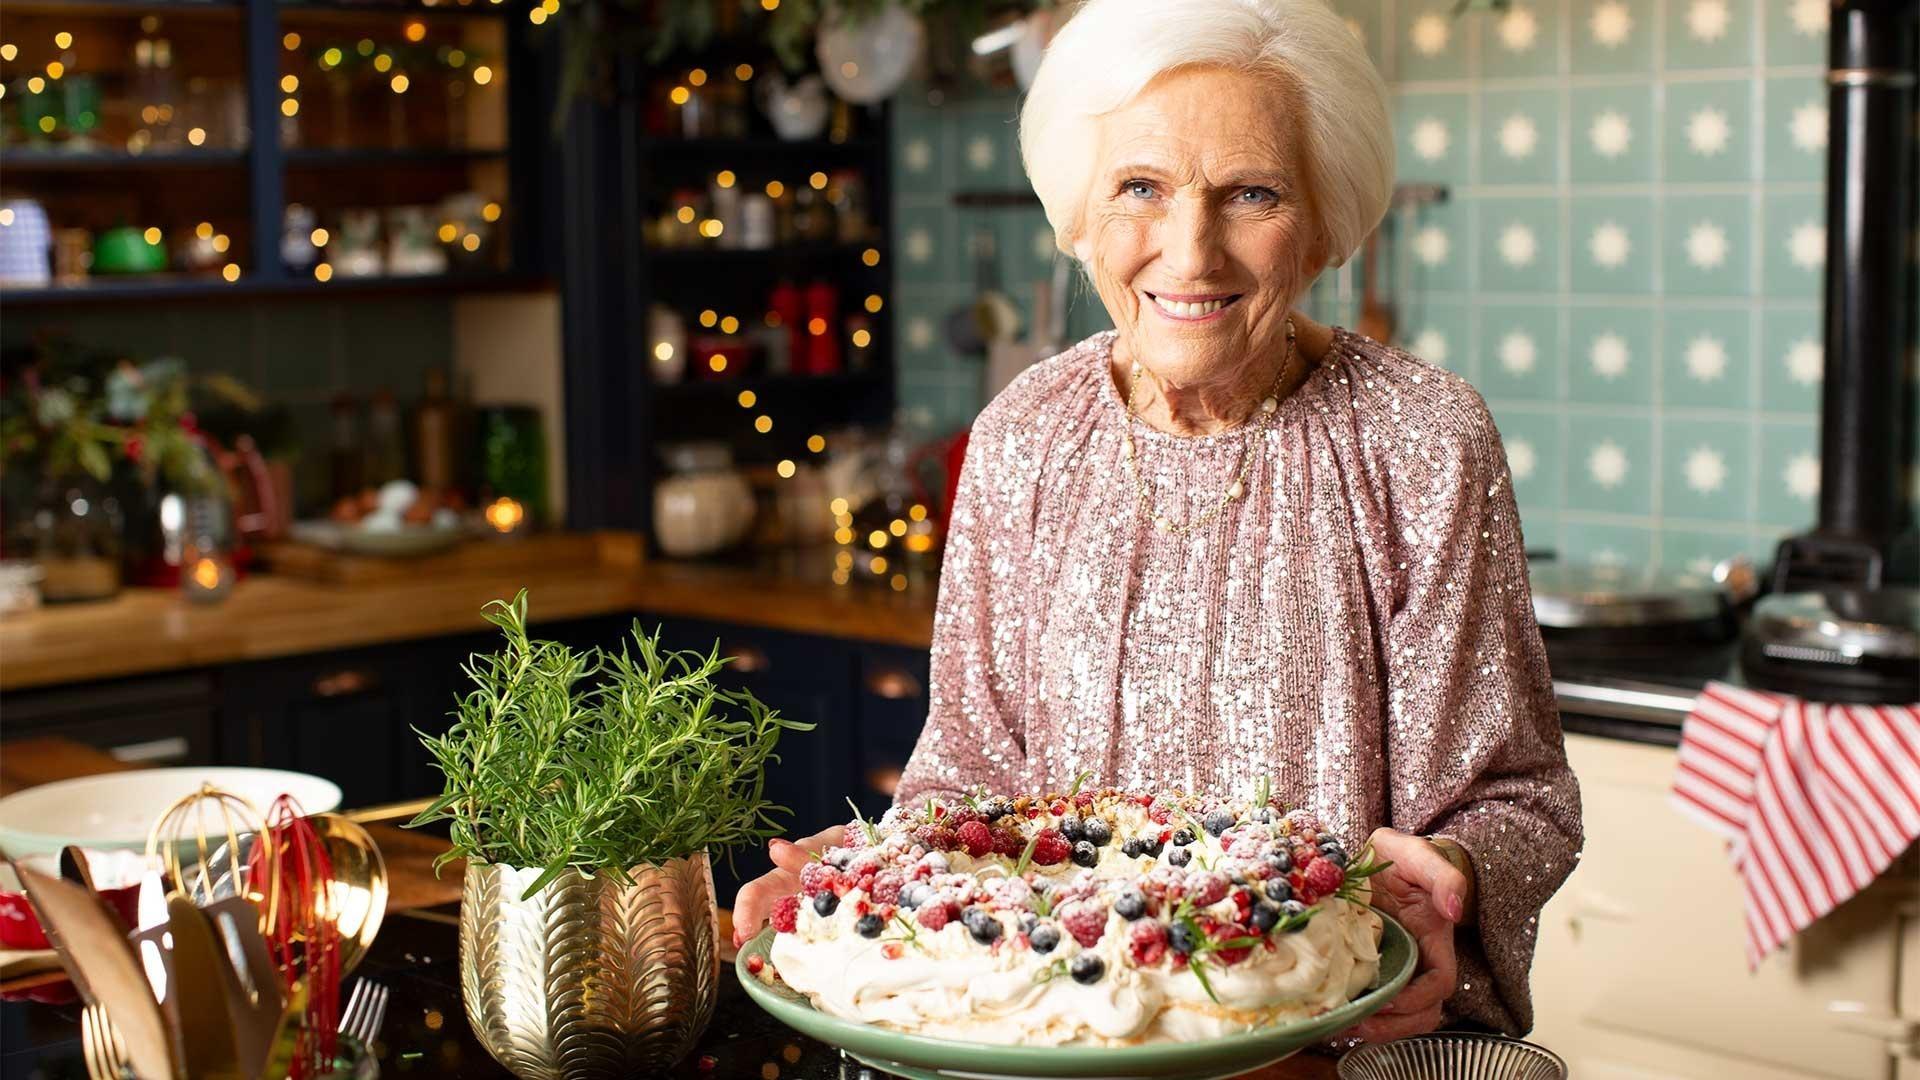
{"x": 1222, "y": 541}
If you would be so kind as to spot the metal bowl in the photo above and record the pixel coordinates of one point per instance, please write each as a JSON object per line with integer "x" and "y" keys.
{"x": 1457, "y": 1056}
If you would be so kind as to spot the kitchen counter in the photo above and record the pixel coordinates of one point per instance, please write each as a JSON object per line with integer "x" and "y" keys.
{"x": 153, "y": 630}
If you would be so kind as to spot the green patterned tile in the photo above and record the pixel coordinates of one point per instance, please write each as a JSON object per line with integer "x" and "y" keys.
{"x": 1796, "y": 133}
{"x": 1026, "y": 249}
{"x": 1438, "y": 247}
{"x": 1613, "y": 135}
{"x": 1793, "y": 359}
{"x": 1087, "y": 315}
{"x": 1606, "y": 544}
{"x": 1433, "y": 137}
{"x": 1796, "y": 32}
{"x": 1793, "y": 244}
{"x": 1519, "y": 244}
{"x": 1363, "y": 19}
{"x": 922, "y": 148}
{"x": 1520, "y": 137}
{"x": 1613, "y": 249}
{"x": 1610, "y": 465}
{"x": 1707, "y": 245}
{"x": 1706, "y": 357}
{"x": 1613, "y": 37}
{"x": 919, "y": 319}
{"x": 1706, "y": 468}
{"x": 1610, "y": 356}
{"x": 1439, "y": 330}
{"x": 1519, "y": 352}
{"x": 1789, "y": 480}
{"x": 986, "y": 147}
{"x": 1535, "y": 441}
{"x": 1696, "y": 551}
{"x": 951, "y": 399}
{"x": 927, "y": 252}
{"x": 1522, "y": 41}
{"x": 1709, "y": 130}
{"x": 1433, "y": 44}
{"x": 1709, "y": 33}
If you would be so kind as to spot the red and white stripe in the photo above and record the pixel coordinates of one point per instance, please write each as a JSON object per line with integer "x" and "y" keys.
{"x": 1815, "y": 800}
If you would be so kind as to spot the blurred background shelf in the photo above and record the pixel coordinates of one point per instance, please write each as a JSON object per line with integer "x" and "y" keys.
{"x": 124, "y": 7}
{"x": 168, "y": 287}
{"x": 324, "y": 157}
{"x": 50, "y": 161}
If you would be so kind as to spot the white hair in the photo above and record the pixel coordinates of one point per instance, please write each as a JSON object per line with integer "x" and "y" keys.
{"x": 1111, "y": 49}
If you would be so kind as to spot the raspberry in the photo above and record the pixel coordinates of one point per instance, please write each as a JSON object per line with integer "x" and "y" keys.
{"x": 1059, "y": 808}
{"x": 892, "y": 950}
{"x": 1148, "y": 939}
{"x": 786, "y": 914}
{"x": 1051, "y": 849}
{"x": 1086, "y": 923}
{"x": 1160, "y": 815}
{"x": 932, "y": 916}
{"x": 934, "y": 837}
{"x": 975, "y": 837}
{"x": 1083, "y": 800}
{"x": 816, "y": 878}
{"x": 1227, "y": 932}
{"x": 1206, "y": 887}
{"x": 886, "y": 887}
{"x": 1009, "y": 842}
{"x": 1321, "y": 878}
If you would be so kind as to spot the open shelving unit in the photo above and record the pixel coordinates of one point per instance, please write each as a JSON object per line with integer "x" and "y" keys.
{"x": 252, "y": 184}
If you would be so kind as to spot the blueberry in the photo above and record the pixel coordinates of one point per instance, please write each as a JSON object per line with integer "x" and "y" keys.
{"x": 870, "y": 925}
{"x": 1133, "y": 848}
{"x": 1130, "y": 904}
{"x": 913, "y": 894}
{"x": 1237, "y": 878}
{"x": 1335, "y": 856}
{"x": 997, "y": 807}
{"x": 1182, "y": 837}
{"x": 1278, "y": 890}
{"x": 838, "y": 858}
{"x": 1291, "y": 908}
{"x": 1264, "y": 816}
{"x": 825, "y": 904}
{"x": 1151, "y": 846}
{"x": 983, "y": 926}
{"x": 1096, "y": 832}
{"x": 1043, "y": 937}
{"x": 1028, "y": 921}
{"x": 1041, "y": 885}
{"x": 1218, "y": 821}
{"x": 1181, "y": 938}
{"x": 1179, "y": 857}
{"x": 1264, "y": 916}
{"x": 1280, "y": 861}
{"x": 1084, "y": 853}
{"x": 1087, "y": 968}
{"x": 1073, "y": 828}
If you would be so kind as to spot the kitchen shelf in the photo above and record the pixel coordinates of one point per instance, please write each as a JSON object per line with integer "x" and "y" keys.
{"x": 480, "y": 8}
{"x": 124, "y": 7}
{"x": 324, "y": 157}
{"x": 773, "y": 384}
{"x": 167, "y": 287}
{"x": 790, "y": 253}
{"x": 753, "y": 146}
{"x": 51, "y": 161}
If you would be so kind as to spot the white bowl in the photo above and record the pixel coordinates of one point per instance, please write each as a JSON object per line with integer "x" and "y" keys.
{"x": 116, "y": 810}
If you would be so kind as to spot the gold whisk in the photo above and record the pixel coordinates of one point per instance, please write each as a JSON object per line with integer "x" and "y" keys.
{"x": 183, "y": 830}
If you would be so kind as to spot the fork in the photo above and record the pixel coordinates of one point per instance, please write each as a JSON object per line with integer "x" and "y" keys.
{"x": 100, "y": 1045}
{"x": 366, "y": 1011}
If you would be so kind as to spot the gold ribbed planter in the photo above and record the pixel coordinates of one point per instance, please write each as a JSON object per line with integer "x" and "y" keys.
{"x": 588, "y": 977}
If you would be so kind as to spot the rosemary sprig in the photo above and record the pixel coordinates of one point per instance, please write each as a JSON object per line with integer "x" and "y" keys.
{"x": 910, "y": 934}
{"x": 1026, "y": 855}
{"x": 1361, "y": 867}
{"x": 1052, "y": 971}
{"x": 597, "y": 760}
{"x": 873, "y": 834}
{"x": 1077, "y": 781}
{"x": 1042, "y": 905}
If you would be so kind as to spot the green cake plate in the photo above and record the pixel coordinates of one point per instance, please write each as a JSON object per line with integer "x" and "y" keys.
{"x": 923, "y": 1058}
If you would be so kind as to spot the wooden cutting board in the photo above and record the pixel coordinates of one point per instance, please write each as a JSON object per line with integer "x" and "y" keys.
{"x": 482, "y": 556}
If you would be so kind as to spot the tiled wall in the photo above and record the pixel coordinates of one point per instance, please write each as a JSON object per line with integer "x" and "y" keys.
{"x": 1629, "y": 266}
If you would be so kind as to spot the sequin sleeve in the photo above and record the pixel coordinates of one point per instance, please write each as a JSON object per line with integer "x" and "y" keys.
{"x": 974, "y": 734}
{"x": 1474, "y": 745}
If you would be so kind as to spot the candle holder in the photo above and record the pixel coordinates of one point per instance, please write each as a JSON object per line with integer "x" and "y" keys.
{"x": 206, "y": 572}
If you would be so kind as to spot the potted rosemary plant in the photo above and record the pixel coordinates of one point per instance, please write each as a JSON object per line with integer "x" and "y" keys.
{"x": 587, "y": 792}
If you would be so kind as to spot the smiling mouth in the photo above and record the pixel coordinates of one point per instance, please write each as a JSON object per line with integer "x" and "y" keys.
{"x": 1193, "y": 307}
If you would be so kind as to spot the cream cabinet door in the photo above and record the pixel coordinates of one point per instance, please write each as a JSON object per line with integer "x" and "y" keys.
{"x": 1641, "y": 971}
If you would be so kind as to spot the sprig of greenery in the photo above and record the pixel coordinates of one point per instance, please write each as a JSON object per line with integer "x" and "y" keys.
{"x": 910, "y": 933}
{"x": 1055, "y": 970}
{"x": 1361, "y": 867}
{"x": 1026, "y": 855}
{"x": 1077, "y": 781}
{"x": 600, "y": 761}
{"x": 873, "y": 834}
{"x": 1042, "y": 904}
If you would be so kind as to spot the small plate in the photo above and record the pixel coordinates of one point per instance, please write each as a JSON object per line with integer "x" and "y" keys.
{"x": 408, "y": 542}
{"x": 924, "y": 1058}
{"x": 116, "y": 810}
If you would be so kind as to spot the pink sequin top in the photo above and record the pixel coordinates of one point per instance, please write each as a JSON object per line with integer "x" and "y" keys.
{"x": 1358, "y": 627}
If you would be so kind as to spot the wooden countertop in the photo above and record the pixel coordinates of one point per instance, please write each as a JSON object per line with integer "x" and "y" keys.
{"x": 153, "y": 630}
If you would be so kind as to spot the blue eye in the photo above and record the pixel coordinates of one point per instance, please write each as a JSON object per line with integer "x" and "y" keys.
{"x": 1139, "y": 189}
{"x": 1259, "y": 195}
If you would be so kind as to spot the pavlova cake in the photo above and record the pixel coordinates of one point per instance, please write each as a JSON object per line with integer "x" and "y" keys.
{"x": 1096, "y": 918}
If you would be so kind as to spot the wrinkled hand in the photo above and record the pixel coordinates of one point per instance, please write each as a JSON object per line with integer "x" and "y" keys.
{"x": 756, "y": 898}
{"x": 1427, "y": 894}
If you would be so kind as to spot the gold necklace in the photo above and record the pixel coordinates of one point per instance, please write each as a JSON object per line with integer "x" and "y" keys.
{"x": 1269, "y": 407}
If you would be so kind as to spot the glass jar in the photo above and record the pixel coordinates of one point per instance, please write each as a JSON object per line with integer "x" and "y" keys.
{"x": 705, "y": 505}
{"x": 75, "y": 540}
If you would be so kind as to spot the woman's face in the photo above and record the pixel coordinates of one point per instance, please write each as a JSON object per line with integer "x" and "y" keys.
{"x": 1199, "y": 231}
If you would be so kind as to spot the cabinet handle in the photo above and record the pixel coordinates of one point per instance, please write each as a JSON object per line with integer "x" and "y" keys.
{"x": 747, "y": 660}
{"x": 341, "y": 683}
{"x": 1901, "y": 1034}
{"x": 884, "y": 779}
{"x": 153, "y": 751}
{"x": 893, "y": 684}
